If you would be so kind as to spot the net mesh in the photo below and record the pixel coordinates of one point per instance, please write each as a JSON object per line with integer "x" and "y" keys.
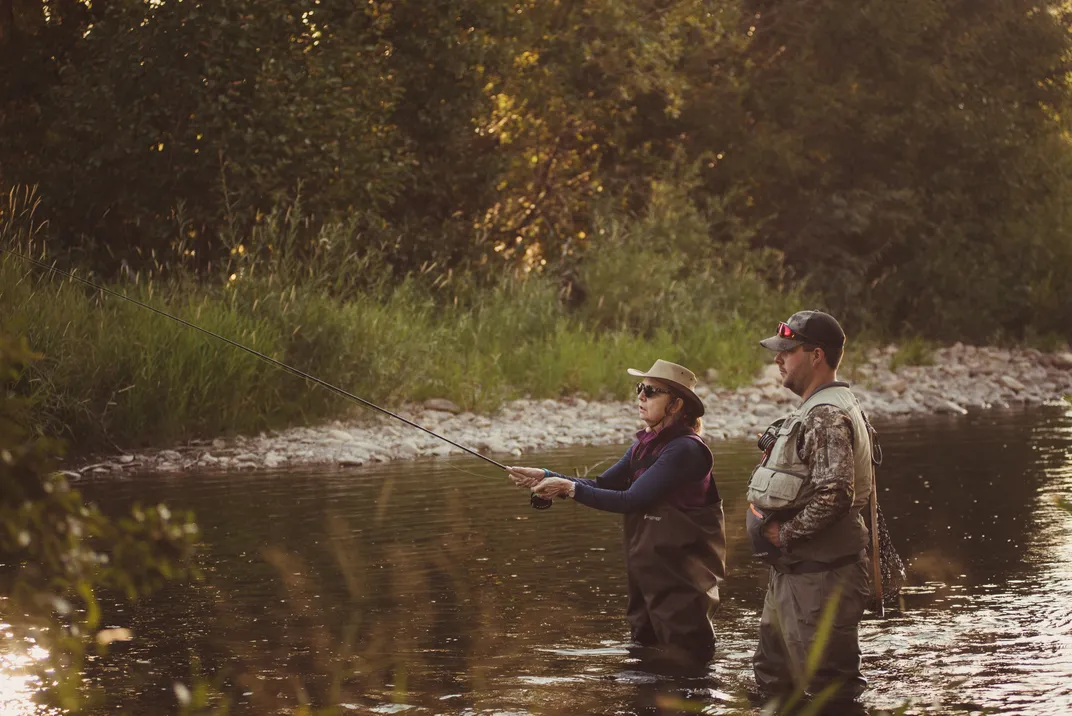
{"x": 889, "y": 562}
{"x": 890, "y": 565}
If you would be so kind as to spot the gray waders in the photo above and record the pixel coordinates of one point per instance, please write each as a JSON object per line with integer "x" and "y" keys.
{"x": 830, "y": 564}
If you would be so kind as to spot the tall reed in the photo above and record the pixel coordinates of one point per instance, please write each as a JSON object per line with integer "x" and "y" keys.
{"x": 117, "y": 375}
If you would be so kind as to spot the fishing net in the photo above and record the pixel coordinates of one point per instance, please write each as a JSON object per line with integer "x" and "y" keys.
{"x": 889, "y": 562}
{"x": 891, "y": 568}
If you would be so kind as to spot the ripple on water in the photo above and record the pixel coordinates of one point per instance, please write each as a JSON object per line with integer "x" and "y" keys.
{"x": 484, "y": 606}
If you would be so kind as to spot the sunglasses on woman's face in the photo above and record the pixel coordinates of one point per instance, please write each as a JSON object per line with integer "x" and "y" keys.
{"x": 650, "y": 391}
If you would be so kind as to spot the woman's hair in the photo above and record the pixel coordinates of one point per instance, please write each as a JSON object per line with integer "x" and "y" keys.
{"x": 695, "y": 423}
{"x": 692, "y": 421}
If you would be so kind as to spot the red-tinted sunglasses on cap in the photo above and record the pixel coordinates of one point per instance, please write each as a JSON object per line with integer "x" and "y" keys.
{"x": 784, "y": 331}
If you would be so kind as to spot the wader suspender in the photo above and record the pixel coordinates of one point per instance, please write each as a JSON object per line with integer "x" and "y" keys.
{"x": 876, "y": 571}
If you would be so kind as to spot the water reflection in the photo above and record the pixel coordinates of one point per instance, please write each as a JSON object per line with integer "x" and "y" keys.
{"x": 414, "y": 586}
{"x": 994, "y": 621}
{"x": 19, "y": 682}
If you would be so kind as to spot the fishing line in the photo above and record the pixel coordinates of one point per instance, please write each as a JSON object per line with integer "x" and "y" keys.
{"x": 262, "y": 356}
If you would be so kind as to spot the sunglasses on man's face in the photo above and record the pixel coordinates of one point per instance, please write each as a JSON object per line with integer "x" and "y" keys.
{"x": 650, "y": 391}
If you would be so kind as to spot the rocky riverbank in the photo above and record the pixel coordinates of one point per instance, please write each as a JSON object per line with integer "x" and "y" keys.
{"x": 961, "y": 378}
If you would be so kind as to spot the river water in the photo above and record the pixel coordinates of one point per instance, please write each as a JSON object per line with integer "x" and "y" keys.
{"x": 430, "y": 587}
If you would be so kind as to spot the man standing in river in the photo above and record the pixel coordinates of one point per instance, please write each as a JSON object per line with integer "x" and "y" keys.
{"x": 806, "y": 497}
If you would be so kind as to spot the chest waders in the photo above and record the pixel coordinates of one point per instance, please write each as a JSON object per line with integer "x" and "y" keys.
{"x": 781, "y": 486}
{"x": 675, "y": 554}
{"x": 806, "y": 577}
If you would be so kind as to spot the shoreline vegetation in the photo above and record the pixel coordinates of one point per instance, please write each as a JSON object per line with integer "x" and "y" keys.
{"x": 519, "y": 362}
{"x": 954, "y": 381}
{"x": 413, "y": 203}
{"x": 115, "y": 376}
{"x": 516, "y": 364}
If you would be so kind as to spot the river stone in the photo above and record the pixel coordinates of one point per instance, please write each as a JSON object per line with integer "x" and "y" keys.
{"x": 406, "y": 451}
{"x": 351, "y": 461}
{"x": 771, "y": 374}
{"x": 963, "y": 377}
{"x": 774, "y": 392}
{"x": 948, "y": 406}
{"x": 442, "y": 405}
{"x": 1011, "y": 383}
{"x": 495, "y": 446}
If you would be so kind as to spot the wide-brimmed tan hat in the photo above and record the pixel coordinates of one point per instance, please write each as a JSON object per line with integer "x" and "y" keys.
{"x": 680, "y": 378}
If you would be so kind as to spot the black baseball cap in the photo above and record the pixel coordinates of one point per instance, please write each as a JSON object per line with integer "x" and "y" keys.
{"x": 812, "y": 327}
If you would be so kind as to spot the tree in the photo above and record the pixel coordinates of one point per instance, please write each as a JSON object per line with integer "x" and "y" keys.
{"x": 201, "y": 114}
{"x": 891, "y": 151}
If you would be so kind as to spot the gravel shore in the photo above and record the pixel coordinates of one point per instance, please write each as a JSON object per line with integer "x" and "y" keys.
{"x": 962, "y": 378}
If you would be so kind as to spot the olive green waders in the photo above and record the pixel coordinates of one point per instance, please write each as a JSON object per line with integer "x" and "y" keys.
{"x": 787, "y": 629}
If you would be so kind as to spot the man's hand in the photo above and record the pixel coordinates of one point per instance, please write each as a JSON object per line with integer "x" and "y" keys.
{"x": 772, "y": 531}
{"x": 525, "y": 476}
{"x": 551, "y": 487}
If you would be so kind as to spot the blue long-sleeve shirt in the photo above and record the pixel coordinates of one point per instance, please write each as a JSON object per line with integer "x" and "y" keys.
{"x": 682, "y": 461}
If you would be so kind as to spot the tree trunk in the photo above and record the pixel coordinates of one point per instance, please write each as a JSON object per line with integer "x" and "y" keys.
{"x": 7, "y": 21}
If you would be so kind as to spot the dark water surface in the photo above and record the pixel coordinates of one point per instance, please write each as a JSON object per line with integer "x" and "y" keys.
{"x": 417, "y": 588}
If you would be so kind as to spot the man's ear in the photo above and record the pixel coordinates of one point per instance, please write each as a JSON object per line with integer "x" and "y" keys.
{"x": 817, "y": 357}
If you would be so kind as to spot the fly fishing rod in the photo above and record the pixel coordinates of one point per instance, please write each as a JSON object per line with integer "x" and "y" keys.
{"x": 268, "y": 359}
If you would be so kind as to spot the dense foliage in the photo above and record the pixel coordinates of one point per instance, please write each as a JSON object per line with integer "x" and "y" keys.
{"x": 909, "y": 162}
{"x": 58, "y": 552}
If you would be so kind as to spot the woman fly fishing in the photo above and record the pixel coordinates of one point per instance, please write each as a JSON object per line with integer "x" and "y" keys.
{"x": 675, "y": 539}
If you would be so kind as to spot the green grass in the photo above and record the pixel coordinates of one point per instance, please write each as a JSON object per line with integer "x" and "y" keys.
{"x": 117, "y": 374}
{"x": 914, "y": 351}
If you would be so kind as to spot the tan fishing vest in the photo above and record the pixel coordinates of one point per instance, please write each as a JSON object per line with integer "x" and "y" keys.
{"x": 782, "y": 480}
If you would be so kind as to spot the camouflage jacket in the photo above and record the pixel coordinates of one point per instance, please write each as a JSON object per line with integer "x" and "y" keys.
{"x": 825, "y": 446}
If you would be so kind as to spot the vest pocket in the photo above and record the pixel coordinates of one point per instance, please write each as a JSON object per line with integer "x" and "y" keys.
{"x": 774, "y": 489}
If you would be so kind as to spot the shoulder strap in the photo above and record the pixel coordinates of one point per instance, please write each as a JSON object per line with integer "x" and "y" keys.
{"x": 876, "y": 448}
